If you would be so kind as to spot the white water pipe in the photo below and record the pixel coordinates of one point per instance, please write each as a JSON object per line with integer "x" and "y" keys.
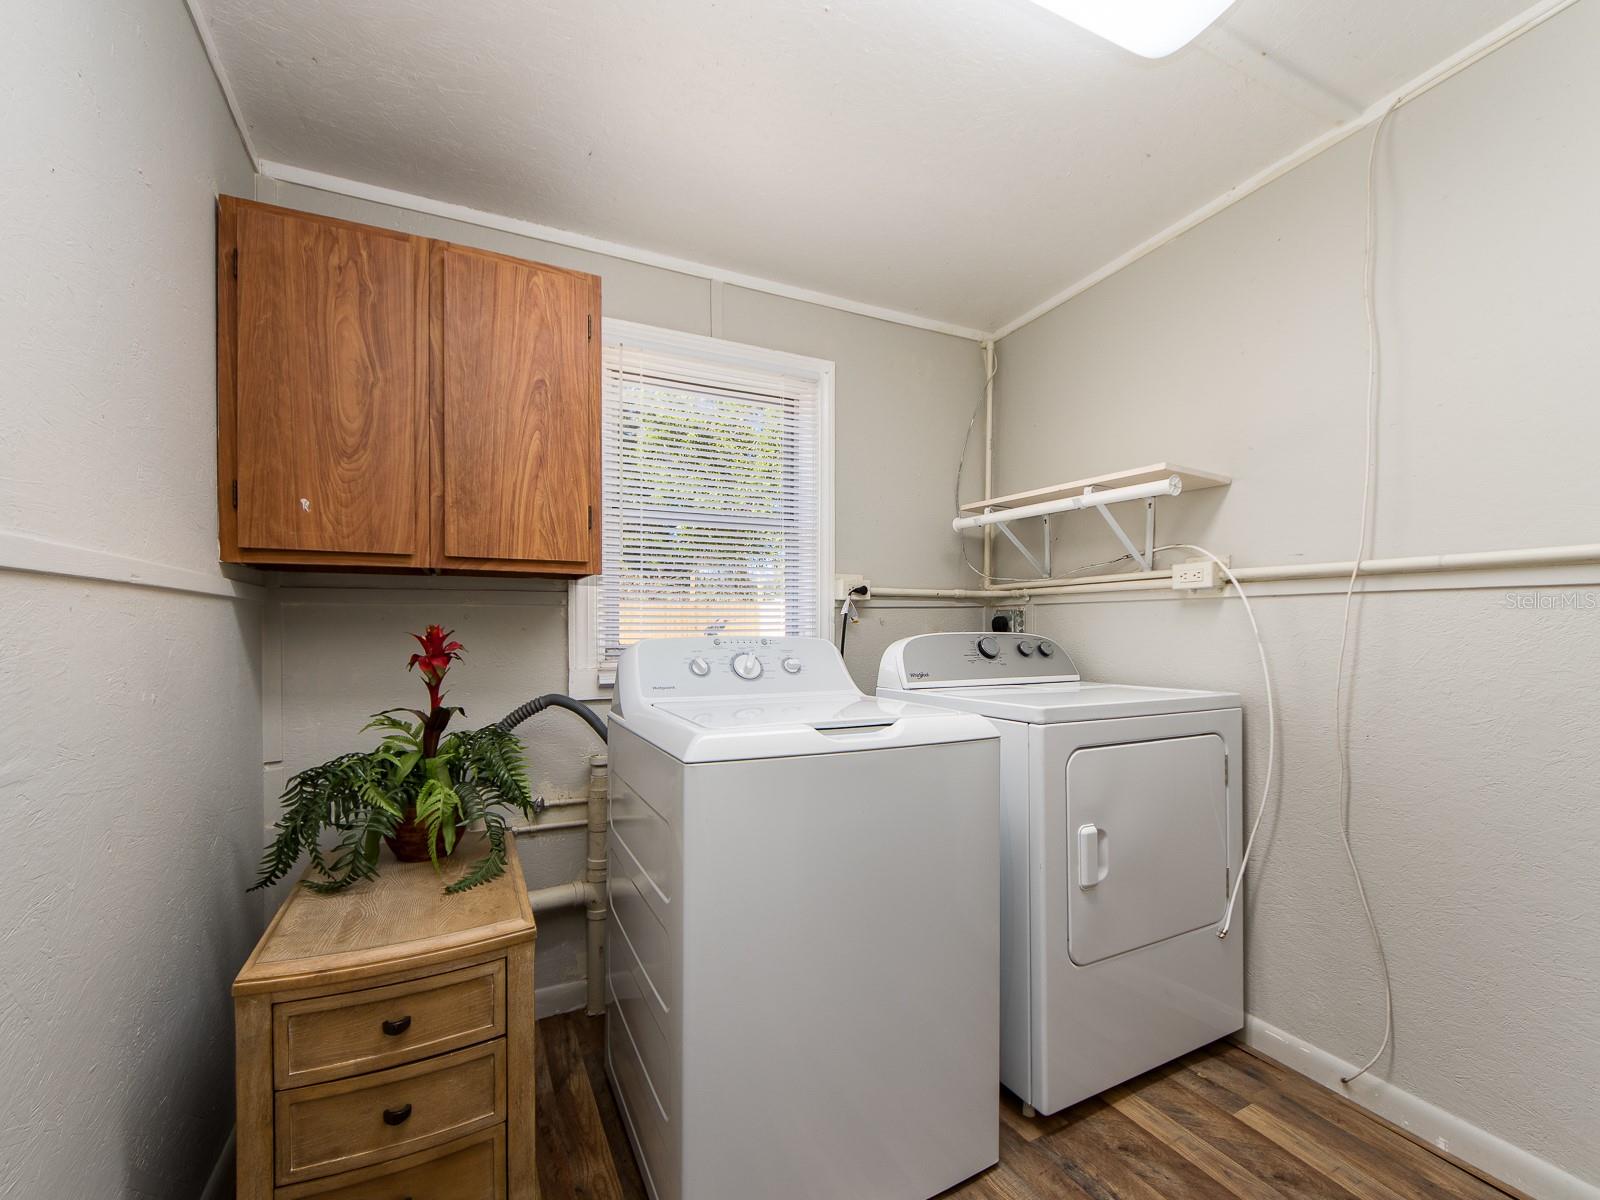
{"x": 899, "y": 593}
{"x": 1172, "y": 485}
{"x": 564, "y": 801}
{"x": 1027, "y": 585}
{"x": 541, "y": 825}
{"x": 988, "y": 455}
{"x": 589, "y": 889}
{"x": 559, "y": 895}
{"x": 1542, "y": 556}
{"x": 547, "y": 827}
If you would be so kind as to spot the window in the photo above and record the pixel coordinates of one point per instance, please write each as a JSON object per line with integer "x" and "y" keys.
{"x": 717, "y": 496}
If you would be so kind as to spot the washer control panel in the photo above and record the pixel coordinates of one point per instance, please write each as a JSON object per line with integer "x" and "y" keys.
{"x": 957, "y": 659}
{"x": 733, "y": 666}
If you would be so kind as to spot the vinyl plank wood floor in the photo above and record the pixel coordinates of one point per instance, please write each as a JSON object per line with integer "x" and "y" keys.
{"x": 1219, "y": 1124}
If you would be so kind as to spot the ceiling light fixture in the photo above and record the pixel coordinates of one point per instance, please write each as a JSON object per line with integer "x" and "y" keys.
{"x": 1150, "y": 28}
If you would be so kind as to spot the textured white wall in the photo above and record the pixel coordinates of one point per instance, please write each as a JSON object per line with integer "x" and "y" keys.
{"x": 903, "y": 400}
{"x": 1476, "y": 747}
{"x": 133, "y": 727}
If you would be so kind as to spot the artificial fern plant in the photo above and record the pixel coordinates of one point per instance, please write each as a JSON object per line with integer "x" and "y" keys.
{"x": 419, "y": 787}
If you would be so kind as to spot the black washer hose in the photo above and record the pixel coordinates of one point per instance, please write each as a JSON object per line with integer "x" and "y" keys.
{"x": 554, "y": 700}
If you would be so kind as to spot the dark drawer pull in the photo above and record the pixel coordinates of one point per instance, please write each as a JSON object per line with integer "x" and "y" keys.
{"x": 397, "y": 1027}
{"x": 396, "y": 1116}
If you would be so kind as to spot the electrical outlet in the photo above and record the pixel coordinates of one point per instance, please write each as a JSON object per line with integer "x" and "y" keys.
{"x": 844, "y": 585}
{"x": 1196, "y": 575}
{"x": 1012, "y": 618}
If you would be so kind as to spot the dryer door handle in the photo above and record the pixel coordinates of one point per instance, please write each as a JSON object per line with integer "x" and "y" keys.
{"x": 1090, "y": 871}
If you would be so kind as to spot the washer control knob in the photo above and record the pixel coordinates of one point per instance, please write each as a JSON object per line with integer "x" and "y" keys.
{"x": 699, "y": 666}
{"x": 988, "y": 647}
{"x": 1025, "y": 649}
{"x": 792, "y": 665}
{"x": 1046, "y": 649}
{"x": 746, "y": 665}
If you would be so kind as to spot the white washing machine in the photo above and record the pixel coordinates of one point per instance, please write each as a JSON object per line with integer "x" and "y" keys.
{"x": 803, "y": 976}
{"x": 1120, "y": 837}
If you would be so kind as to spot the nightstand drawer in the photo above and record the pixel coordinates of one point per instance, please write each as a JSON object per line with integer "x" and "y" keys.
{"x": 472, "y": 1168}
{"x": 352, "y": 1123}
{"x": 331, "y": 1037}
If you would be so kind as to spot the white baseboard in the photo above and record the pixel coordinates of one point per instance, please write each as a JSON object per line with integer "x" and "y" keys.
{"x": 556, "y": 998}
{"x": 219, "y": 1184}
{"x": 1496, "y": 1156}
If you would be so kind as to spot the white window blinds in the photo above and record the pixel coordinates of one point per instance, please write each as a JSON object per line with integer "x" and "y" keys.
{"x": 713, "y": 474}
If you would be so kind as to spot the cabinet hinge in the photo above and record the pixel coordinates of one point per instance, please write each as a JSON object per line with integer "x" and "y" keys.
{"x": 236, "y": 495}
{"x": 589, "y": 325}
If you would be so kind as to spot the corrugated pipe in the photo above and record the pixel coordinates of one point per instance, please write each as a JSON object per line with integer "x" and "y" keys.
{"x": 589, "y": 889}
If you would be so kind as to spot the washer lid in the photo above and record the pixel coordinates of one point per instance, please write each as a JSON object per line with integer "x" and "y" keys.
{"x": 842, "y": 711}
{"x": 727, "y": 730}
{"x": 722, "y": 699}
{"x": 1048, "y": 703}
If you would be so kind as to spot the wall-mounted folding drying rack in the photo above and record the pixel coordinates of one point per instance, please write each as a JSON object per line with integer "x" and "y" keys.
{"x": 1141, "y": 483}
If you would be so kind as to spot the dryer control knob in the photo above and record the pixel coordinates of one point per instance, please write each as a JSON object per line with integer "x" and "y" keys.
{"x": 699, "y": 666}
{"x": 746, "y": 665}
{"x": 988, "y": 647}
{"x": 792, "y": 665}
{"x": 1025, "y": 649}
{"x": 1046, "y": 649}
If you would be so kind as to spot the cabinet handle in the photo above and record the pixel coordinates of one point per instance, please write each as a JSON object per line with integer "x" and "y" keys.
{"x": 396, "y": 1027}
{"x": 396, "y": 1116}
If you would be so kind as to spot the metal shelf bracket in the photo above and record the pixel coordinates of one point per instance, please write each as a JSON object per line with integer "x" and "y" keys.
{"x": 1042, "y": 568}
{"x": 1145, "y": 559}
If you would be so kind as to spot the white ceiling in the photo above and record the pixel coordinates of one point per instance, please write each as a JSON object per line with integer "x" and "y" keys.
{"x": 960, "y": 160}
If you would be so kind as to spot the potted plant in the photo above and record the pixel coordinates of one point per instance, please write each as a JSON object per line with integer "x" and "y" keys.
{"x": 416, "y": 790}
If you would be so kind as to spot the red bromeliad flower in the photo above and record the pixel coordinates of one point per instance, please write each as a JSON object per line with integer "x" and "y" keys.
{"x": 438, "y": 652}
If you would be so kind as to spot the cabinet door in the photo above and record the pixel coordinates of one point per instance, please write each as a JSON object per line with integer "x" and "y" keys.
{"x": 518, "y": 416}
{"x": 325, "y": 323}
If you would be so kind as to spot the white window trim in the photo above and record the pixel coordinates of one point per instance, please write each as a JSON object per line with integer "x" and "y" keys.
{"x": 588, "y": 679}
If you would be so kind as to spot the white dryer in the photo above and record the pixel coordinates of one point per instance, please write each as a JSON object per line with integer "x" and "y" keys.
{"x": 1120, "y": 837}
{"x": 802, "y": 985}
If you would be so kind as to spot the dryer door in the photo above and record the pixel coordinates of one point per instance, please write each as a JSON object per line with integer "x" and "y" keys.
{"x": 1147, "y": 853}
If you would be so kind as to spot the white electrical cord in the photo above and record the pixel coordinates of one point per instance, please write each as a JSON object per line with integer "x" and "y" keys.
{"x": 1341, "y": 733}
{"x": 1272, "y": 729}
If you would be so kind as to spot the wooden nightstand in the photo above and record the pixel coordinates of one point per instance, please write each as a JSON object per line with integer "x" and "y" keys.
{"x": 385, "y": 1042}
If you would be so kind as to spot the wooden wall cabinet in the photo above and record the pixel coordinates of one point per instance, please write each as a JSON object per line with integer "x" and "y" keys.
{"x": 391, "y": 401}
